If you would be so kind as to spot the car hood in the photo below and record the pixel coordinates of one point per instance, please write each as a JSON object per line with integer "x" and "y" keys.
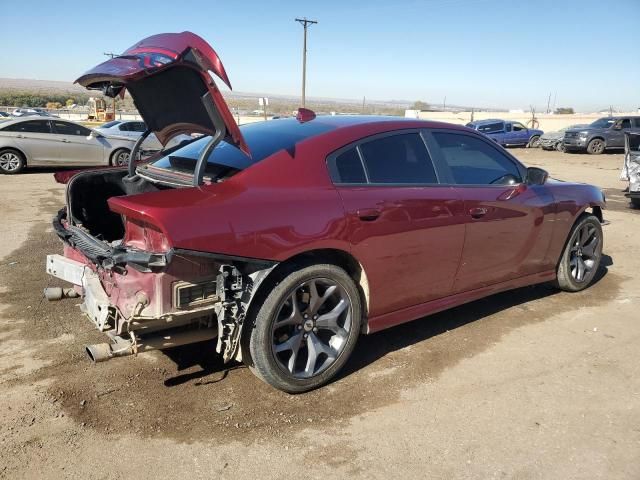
{"x": 167, "y": 75}
{"x": 552, "y": 135}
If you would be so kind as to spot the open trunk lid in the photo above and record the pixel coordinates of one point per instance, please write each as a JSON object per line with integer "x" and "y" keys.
{"x": 168, "y": 78}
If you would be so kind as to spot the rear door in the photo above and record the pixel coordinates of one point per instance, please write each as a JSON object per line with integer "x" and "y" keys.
{"x": 76, "y": 145}
{"x": 508, "y": 224}
{"x": 403, "y": 226}
{"x": 34, "y": 138}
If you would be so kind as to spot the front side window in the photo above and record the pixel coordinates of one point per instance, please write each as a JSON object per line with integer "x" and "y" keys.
{"x": 625, "y": 123}
{"x": 473, "y": 161}
{"x": 518, "y": 127}
{"x": 65, "y": 128}
{"x": 399, "y": 159}
{"x": 33, "y": 126}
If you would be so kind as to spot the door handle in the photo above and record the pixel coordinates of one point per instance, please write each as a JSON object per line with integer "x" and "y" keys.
{"x": 478, "y": 212}
{"x": 19, "y": 136}
{"x": 64, "y": 140}
{"x": 368, "y": 214}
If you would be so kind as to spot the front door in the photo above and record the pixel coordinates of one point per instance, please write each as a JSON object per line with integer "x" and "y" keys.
{"x": 507, "y": 232}
{"x": 404, "y": 228}
{"x": 76, "y": 145}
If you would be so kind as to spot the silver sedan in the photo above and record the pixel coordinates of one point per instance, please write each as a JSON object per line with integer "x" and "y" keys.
{"x": 52, "y": 142}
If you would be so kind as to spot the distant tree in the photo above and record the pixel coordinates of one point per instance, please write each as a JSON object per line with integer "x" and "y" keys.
{"x": 564, "y": 111}
{"x": 69, "y": 102}
{"x": 53, "y": 105}
{"x": 419, "y": 105}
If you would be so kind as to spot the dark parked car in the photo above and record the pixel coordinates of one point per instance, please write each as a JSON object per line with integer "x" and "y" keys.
{"x": 507, "y": 133}
{"x": 604, "y": 133}
{"x": 287, "y": 240}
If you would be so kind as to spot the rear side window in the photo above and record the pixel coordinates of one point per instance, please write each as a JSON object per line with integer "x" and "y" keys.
{"x": 348, "y": 168}
{"x": 473, "y": 161}
{"x": 399, "y": 159}
{"x": 33, "y": 126}
{"x": 637, "y": 122}
{"x": 491, "y": 127}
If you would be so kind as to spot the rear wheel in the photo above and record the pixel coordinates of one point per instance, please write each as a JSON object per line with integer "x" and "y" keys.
{"x": 581, "y": 257}
{"x": 120, "y": 158}
{"x": 534, "y": 142}
{"x": 306, "y": 328}
{"x": 635, "y": 202}
{"x": 11, "y": 161}
{"x": 596, "y": 146}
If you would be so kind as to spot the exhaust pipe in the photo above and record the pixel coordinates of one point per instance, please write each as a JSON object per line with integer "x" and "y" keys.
{"x": 58, "y": 293}
{"x": 102, "y": 352}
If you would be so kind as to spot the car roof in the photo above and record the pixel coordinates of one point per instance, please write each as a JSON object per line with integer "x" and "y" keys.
{"x": 328, "y": 123}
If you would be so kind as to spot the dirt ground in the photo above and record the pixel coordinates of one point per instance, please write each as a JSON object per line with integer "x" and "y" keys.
{"x": 527, "y": 384}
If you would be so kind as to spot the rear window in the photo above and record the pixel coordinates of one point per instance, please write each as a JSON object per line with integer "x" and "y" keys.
{"x": 348, "y": 168}
{"x": 110, "y": 124}
{"x": 263, "y": 138}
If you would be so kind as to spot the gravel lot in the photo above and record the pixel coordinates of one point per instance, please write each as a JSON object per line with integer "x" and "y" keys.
{"x": 527, "y": 384}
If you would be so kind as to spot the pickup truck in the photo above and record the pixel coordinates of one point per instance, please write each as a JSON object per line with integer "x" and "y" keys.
{"x": 605, "y": 133}
{"x": 507, "y": 133}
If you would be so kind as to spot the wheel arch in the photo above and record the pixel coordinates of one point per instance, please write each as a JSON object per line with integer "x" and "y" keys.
{"x": 333, "y": 256}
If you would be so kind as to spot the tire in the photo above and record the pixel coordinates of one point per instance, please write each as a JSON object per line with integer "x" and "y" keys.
{"x": 584, "y": 247}
{"x": 11, "y": 161}
{"x": 297, "y": 351}
{"x": 560, "y": 147}
{"x": 635, "y": 202}
{"x": 118, "y": 157}
{"x": 534, "y": 142}
{"x": 596, "y": 146}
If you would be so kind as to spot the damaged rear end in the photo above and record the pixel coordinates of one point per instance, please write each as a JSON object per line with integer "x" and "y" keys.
{"x": 136, "y": 286}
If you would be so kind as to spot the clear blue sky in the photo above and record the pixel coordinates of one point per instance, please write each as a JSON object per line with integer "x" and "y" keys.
{"x": 503, "y": 53}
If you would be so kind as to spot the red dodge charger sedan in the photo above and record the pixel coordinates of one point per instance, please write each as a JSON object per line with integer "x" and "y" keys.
{"x": 286, "y": 240}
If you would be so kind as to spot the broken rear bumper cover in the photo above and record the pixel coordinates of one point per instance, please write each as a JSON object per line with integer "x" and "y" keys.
{"x": 146, "y": 300}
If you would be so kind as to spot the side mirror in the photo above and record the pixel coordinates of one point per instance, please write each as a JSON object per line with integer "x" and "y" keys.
{"x": 617, "y": 127}
{"x": 536, "y": 176}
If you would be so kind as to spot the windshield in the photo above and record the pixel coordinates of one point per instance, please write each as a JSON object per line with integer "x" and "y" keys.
{"x": 264, "y": 139}
{"x": 603, "y": 123}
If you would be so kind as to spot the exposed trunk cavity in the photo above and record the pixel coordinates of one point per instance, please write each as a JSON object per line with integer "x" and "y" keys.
{"x": 87, "y": 195}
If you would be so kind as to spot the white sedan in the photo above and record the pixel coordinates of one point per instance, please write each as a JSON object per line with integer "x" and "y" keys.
{"x": 134, "y": 129}
{"x": 44, "y": 141}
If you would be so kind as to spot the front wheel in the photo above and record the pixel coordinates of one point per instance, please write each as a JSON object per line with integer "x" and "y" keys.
{"x": 120, "y": 158}
{"x": 635, "y": 202}
{"x": 534, "y": 142}
{"x": 581, "y": 257}
{"x": 596, "y": 146}
{"x": 560, "y": 147}
{"x": 306, "y": 328}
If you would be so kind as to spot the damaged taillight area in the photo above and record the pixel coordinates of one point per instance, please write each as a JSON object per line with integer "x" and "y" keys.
{"x": 144, "y": 236}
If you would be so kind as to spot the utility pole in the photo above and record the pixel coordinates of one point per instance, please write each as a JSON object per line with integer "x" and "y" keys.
{"x": 444, "y": 104}
{"x": 549, "y": 103}
{"x": 304, "y": 22}
{"x": 112, "y": 55}
{"x": 364, "y": 99}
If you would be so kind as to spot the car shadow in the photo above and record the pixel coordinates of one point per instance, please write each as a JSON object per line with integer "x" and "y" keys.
{"x": 197, "y": 361}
